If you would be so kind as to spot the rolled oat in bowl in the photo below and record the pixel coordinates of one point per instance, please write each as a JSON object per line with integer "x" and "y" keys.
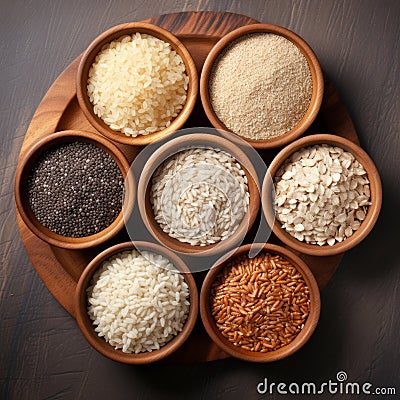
{"x": 322, "y": 194}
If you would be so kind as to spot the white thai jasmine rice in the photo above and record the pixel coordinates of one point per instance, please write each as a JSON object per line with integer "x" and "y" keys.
{"x": 137, "y": 84}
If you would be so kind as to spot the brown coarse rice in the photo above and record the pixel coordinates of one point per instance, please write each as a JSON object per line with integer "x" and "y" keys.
{"x": 260, "y": 304}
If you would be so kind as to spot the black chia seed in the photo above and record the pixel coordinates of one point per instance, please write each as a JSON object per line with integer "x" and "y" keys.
{"x": 76, "y": 189}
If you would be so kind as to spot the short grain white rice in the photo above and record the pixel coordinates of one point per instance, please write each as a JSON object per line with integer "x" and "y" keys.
{"x": 138, "y": 301}
{"x": 137, "y": 84}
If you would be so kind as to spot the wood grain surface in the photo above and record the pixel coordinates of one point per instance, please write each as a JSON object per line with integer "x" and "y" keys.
{"x": 42, "y": 354}
{"x": 52, "y": 270}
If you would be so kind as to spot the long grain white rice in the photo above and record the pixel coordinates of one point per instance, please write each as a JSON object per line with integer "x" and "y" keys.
{"x": 137, "y": 84}
{"x": 137, "y": 301}
{"x": 199, "y": 196}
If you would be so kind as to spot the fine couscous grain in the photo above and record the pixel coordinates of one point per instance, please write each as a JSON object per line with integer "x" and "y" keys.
{"x": 260, "y": 86}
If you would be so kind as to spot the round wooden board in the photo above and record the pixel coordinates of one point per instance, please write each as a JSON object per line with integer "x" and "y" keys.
{"x": 59, "y": 110}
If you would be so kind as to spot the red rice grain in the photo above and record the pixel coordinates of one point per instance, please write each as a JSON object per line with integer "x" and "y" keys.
{"x": 260, "y": 304}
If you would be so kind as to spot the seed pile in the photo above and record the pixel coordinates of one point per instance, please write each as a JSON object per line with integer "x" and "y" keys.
{"x": 137, "y": 84}
{"x": 260, "y": 86}
{"x": 199, "y": 196}
{"x": 75, "y": 189}
{"x": 322, "y": 194}
{"x": 260, "y": 304}
{"x": 138, "y": 302}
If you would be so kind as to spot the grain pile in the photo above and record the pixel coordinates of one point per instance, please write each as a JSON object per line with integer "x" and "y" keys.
{"x": 137, "y": 84}
{"x": 138, "y": 302}
{"x": 199, "y": 196}
{"x": 260, "y": 304}
{"x": 322, "y": 194}
{"x": 260, "y": 86}
{"x": 76, "y": 189}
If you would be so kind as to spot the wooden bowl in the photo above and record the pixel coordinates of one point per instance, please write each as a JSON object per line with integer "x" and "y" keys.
{"x": 85, "y": 323}
{"x": 87, "y": 61}
{"x": 316, "y": 74}
{"x": 373, "y": 210}
{"x": 181, "y": 143}
{"x": 247, "y": 355}
{"x": 21, "y": 195}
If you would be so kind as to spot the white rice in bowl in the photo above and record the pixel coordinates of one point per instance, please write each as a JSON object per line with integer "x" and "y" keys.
{"x": 138, "y": 302}
{"x": 199, "y": 196}
{"x": 137, "y": 84}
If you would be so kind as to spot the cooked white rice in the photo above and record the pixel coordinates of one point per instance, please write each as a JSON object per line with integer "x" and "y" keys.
{"x": 137, "y": 84}
{"x": 199, "y": 196}
{"x": 138, "y": 301}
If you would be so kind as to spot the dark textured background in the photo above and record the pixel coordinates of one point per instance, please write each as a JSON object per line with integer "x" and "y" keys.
{"x": 42, "y": 353}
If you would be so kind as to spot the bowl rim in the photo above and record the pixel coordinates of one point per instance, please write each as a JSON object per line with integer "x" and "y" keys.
{"x": 283, "y": 352}
{"x": 316, "y": 74}
{"x": 373, "y": 211}
{"x": 114, "y": 33}
{"x": 27, "y": 215}
{"x": 175, "y": 146}
{"x": 85, "y": 323}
